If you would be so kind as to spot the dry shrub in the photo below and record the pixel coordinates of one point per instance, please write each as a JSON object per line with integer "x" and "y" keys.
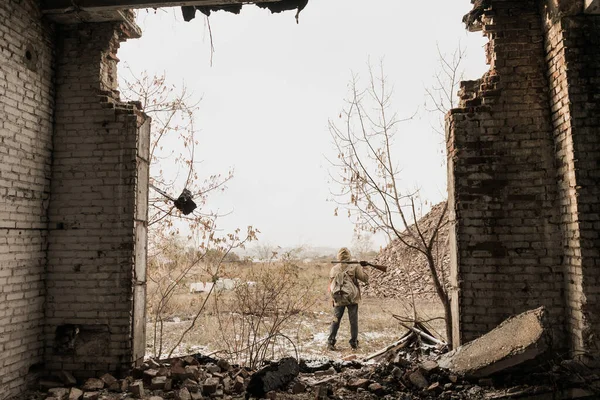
{"x": 262, "y": 313}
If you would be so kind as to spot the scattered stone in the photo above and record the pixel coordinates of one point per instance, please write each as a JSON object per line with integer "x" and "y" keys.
{"x": 189, "y": 360}
{"x": 153, "y": 364}
{"x": 210, "y": 386}
{"x": 272, "y": 395}
{"x": 158, "y": 383}
{"x": 75, "y": 394}
{"x": 427, "y": 366}
{"x": 183, "y": 394}
{"x": 327, "y": 372}
{"x": 91, "y": 396}
{"x": 45, "y": 385}
{"x": 238, "y": 384}
{"x": 137, "y": 389}
{"x": 212, "y": 368}
{"x": 273, "y": 377}
{"x": 192, "y": 385}
{"x": 149, "y": 374}
{"x": 434, "y": 387}
{"x": 417, "y": 379}
{"x": 298, "y": 387}
{"x": 518, "y": 339}
{"x": 179, "y": 373}
{"x": 67, "y": 378}
{"x": 59, "y": 393}
{"x": 156, "y": 398}
{"x": 192, "y": 371}
{"x": 93, "y": 384}
{"x": 377, "y": 389}
{"x": 358, "y": 383}
{"x": 224, "y": 365}
{"x": 108, "y": 379}
{"x": 351, "y": 357}
{"x": 196, "y": 396}
{"x": 321, "y": 392}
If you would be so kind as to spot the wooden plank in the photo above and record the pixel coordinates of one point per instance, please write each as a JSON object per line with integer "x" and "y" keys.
{"x": 61, "y": 6}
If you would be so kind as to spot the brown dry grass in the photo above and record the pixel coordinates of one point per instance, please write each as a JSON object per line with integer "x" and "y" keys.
{"x": 308, "y": 329}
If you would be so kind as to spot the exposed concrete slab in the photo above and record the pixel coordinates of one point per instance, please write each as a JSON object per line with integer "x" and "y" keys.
{"x": 516, "y": 340}
{"x": 62, "y": 6}
{"x": 592, "y": 6}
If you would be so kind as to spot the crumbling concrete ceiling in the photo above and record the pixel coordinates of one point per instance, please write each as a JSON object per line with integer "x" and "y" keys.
{"x": 75, "y": 11}
{"x": 56, "y": 6}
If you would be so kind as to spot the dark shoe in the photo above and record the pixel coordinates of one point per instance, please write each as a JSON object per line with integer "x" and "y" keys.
{"x": 331, "y": 346}
{"x": 354, "y": 346}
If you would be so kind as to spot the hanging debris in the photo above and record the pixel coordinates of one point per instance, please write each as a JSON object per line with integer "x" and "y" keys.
{"x": 184, "y": 202}
{"x": 473, "y": 19}
{"x": 189, "y": 12}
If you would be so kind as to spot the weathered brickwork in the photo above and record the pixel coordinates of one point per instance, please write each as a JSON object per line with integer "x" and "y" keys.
{"x": 503, "y": 188}
{"x": 524, "y": 168}
{"x": 26, "y": 103}
{"x": 573, "y": 56}
{"x": 73, "y": 193}
{"x": 92, "y": 215}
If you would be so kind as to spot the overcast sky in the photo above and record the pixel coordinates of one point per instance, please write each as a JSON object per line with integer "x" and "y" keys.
{"x": 274, "y": 84}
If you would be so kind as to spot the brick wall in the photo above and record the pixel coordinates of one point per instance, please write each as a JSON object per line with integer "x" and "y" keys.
{"x": 503, "y": 189}
{"x": 573, "y": 56}
{"x": 98, "y": 175}
{"x": 26, "y": 101}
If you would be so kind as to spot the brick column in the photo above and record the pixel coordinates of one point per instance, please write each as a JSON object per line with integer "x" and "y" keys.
{"x": 97, "y": 214}
{"x": 573, "y": 54}
{"x": 505, "y": 237}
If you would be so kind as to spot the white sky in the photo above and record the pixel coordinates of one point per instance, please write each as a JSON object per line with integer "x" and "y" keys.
{"x": 274, "y": 84}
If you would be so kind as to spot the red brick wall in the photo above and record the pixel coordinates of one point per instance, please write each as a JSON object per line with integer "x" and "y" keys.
{"x": 503, "y": 195}
{"x": 573, "y": 55}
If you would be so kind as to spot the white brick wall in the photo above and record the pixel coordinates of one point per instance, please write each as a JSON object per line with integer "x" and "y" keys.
{"x": 92, "y": 236}
{"x": 26, "y": 101}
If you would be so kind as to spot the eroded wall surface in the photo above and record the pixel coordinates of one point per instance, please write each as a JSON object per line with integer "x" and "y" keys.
{"x": 94, "y": 192}
{"x": 524, "y": 160}
{"x": 26, "y": 108}
{"x": 573, "y": 55}
{"x": 73, "y": 192}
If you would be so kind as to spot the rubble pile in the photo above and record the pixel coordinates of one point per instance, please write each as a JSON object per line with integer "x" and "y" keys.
{"x": 511, "y": 361}
{"x": 407, "y": 267}
{"x": 411, "y": 374}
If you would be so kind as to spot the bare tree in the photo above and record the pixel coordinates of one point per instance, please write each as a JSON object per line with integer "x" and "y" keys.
{"x": 370, "y": 178}
{"x": 173, "y": 169}
{"x": 362, "y": 245}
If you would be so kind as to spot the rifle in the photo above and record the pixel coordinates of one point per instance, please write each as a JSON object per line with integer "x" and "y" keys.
{"x": 381, "y": 268}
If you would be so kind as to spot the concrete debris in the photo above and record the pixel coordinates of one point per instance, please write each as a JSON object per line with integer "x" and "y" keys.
{"x": 518, "y": 339}
{"x": 413, "y": 373}
{"x": 272, "y": 377}
{"x": 408, "y": 272}
{"x": 189, "y": 12}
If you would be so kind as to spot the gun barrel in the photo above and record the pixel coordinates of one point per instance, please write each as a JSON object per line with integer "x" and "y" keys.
{"x": 381, "y": 268}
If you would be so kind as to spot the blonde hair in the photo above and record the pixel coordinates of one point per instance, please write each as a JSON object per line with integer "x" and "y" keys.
{"x": 343, "y": 254}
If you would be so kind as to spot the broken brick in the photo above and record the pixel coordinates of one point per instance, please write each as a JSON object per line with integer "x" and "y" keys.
{"x": 137, "y": 389}
{"x": 210, "y": 386}
{"x": 93, "y": 384}
{"x": 75, "y": 394}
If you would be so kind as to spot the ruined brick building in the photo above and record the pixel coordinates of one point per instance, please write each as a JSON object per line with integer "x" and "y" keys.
{"x": 524, "y": 167}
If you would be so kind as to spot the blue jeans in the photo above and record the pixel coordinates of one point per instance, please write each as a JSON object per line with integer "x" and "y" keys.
{"x": 338, "y": 313}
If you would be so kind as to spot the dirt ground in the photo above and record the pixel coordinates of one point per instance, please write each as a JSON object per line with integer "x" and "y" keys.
{"x": 308, "y": 330}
